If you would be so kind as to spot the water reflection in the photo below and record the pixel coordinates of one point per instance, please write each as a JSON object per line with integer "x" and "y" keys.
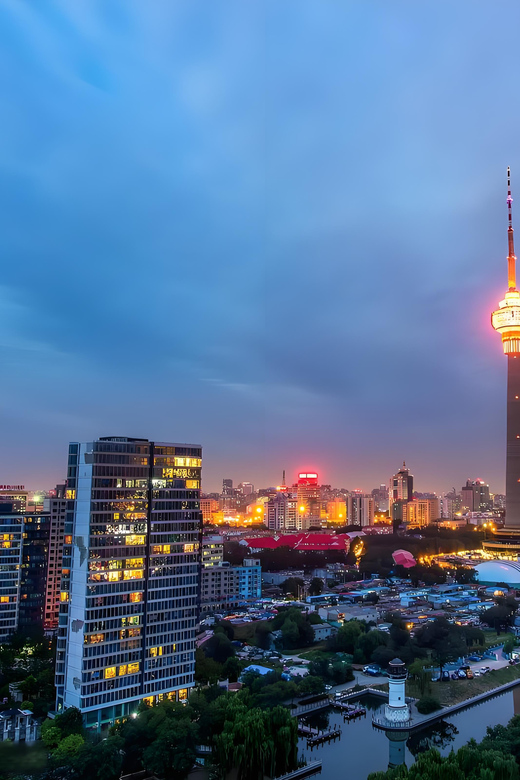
{"x": 439, "y": 736}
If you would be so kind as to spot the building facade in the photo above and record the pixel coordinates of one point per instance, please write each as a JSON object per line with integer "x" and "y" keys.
{"x": 360, "y": 510}
{"x": 400, "y": 491}
{"x": 225, "y": 586}
{"x": 57, "y": 507}
{"x": 131, "y": 576}
{"x": 11, "y": 536}
{"x": 35, "y": 553}
{"x": 422, "y": 511}
{"x": 281, "y": 513}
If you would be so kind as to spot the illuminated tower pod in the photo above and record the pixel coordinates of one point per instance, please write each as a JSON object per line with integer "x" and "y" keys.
{"x": 506, "y": 320}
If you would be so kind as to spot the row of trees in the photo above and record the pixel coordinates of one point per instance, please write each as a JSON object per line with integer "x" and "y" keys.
{"x": 253, "y": 741}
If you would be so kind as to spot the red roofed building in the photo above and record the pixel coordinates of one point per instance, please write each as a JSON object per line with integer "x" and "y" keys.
{"x": 302, "y": 542}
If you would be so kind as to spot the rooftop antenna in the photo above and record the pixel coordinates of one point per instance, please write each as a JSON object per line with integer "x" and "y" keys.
{"x": 511, "y": 257}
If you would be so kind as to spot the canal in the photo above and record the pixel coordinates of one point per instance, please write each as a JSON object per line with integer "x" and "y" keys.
{"x": 362, "y": 749}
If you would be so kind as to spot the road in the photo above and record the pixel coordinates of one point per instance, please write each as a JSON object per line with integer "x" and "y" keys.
{"x": 365, "y": 679}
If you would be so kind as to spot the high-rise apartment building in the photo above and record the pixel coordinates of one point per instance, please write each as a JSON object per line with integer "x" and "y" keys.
{"x": 13, "y": 498}
{"x": 281, "y": 513}
{"x": 131, "y": 576}
{"x": 24, "y": 546}
{"x": 11, "y": 535}
{"x": 56, "y": 506}
{"x": 337, "y": 511}
{"x": 360, "y": 510}
{"x": 246, "y": 488}
{"x": 35, "y": 550}
{"x": 212, "y": 551}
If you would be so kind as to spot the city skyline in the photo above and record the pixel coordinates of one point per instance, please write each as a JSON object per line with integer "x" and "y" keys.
{"x": 309, "y": 275}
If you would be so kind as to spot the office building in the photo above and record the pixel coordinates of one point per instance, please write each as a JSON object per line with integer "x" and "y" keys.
{"x": 400, "y": 491}
{"x": 228, "y": 501}
{"x": 209, "y": 507}
{"x": 422, "y": 511}
{"x": 475, "y": 496}
{"x": 130, "y": 599}
{"x": 246, "y": 488}
{"x": 308, "y": 494}
{"x": 225, "y": 586}
{"x": 337, "y": 511}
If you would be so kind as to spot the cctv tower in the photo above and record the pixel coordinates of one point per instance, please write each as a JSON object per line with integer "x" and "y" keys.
{"x": 506, "y": 320}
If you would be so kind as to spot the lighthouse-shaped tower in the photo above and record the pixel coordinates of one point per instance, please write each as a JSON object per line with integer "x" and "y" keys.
{"x": 397, "y": 710}
{"x": 506, "y": 320}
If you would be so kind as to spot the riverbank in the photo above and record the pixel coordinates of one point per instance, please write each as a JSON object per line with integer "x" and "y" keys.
{"x": 456, "y": 691}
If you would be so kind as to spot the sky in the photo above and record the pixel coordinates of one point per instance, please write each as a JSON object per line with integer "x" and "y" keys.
{"x": 274, "y": 229}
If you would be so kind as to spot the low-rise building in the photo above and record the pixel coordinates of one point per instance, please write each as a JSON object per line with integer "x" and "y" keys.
{"x": 225, "y": 586}
{"x": 18, "y": 726}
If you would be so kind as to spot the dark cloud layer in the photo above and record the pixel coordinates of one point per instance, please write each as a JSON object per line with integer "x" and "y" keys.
{"x": 274, "y": 229}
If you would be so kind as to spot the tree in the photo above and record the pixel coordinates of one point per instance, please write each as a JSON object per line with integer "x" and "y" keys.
{"x": 290, "y": 633}
{"x": 316, "y": 586}
{"x": 509, "y": 645}
{"x": 499, "y": 618}
{"x": 445, "y": 640}
{"x": 417, "y": 672}
{"x": 69, "y": 722}
{"x": 51, "y": 735}
{"x": 219, "y": 648}
{"x": 172, "y": 754}
{"x": 293, "y": 585}
{"x": 68, "y": 749}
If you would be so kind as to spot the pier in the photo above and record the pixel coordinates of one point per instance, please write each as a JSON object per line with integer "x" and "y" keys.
{"x": 313, "y": 768}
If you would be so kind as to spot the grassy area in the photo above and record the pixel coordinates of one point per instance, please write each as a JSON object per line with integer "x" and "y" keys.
{"x": 245, "y": 632}
{"x": 310, "y": 653}
{"x": 455, "y": 691}
{"x": 20, "y": 759}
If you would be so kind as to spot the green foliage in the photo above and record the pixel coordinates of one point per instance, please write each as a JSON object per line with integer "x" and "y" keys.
{"x": 219, "y": 647}
{"x": 294, "y": 586}
{"x": 69, "y": 722}
{"x": 335, "y": 670}
{"x": 495, "y": 758}
{"x": 51, "y": 734}
{"x": 316, "y": 586}
{"x": 296, "y": 628}
{"x": 27, "y": 705}
{"x": 509, "y": 645}
{"x": 256, "y": 743}
{"x": 68, "y": 748}
{"x": 172, "y": 753}
{"x": 444, "y": 639}
{"x": 428, "y": 704}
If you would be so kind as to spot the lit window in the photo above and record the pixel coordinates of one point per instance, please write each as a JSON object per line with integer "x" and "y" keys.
{"x": 134, "y": 539}
{"x": 70, "y": 494}
{"x": 4, "y": 599}
{"x": 133, "y": 668}
{"x": 116, "y": 515}
{"x": 136, "y": 597}
{"x": 110, "y": 671}
{"x": 134, "y": 563}
{"x": 115, "y": 576}
{"x": 122, "y": 670}
{"x": 94, "y": 639}
{"x": 192, "y": 484}
{"x": 155, "y": 651}
{"x": 133, "y": 574}
{"x": 64, "y": 596}
{"x": 67, "y": 540}
{"x": 183, "y": 694}
{"x": 189, "y": 548}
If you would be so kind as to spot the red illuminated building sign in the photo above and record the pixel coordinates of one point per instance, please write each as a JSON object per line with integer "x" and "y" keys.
{"x": 308, "y": 478}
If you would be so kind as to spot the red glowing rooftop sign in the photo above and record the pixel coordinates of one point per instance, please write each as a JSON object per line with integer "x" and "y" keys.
{"x": 308, "y": 476}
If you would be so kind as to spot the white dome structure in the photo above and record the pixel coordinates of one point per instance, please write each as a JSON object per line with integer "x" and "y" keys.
{"x": 493, "y": 572}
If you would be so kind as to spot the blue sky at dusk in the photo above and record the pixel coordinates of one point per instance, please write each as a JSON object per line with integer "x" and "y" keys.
{"x": 276, "y": 229}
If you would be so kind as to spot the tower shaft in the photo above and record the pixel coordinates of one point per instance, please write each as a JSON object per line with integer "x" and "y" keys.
{"x": 512, "y": 519}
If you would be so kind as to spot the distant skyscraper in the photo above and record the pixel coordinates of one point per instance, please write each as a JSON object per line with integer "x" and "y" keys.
{"x": 246, "y": 488}
{"x": 227, "y": 499}
{"x": 400, "y": 491}
{"x": 475, "y": 496}
{"x": 130, "y": 600}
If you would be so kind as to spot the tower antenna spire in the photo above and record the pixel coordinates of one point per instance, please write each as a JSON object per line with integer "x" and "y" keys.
{"x": 511, "y": 257}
